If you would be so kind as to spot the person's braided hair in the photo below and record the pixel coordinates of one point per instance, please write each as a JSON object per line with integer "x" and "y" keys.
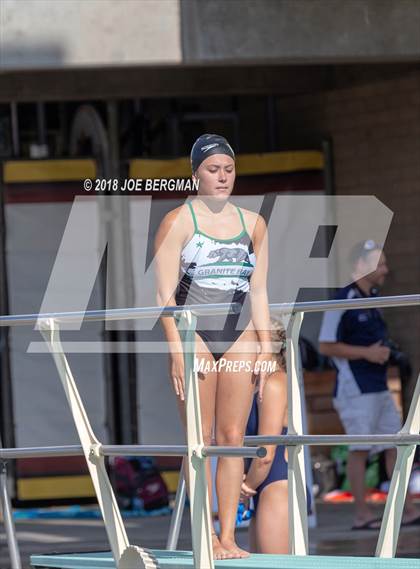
{"x": 278, "y": 339}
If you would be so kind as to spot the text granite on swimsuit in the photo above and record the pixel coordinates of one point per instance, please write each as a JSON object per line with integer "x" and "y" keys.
{"x": 231, "y": 271}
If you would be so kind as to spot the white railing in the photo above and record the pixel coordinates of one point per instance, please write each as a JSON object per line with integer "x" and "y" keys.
{"x": 406, "y": 440}
{"x": 128, "y": 556}
{"x": 391, "y": 521}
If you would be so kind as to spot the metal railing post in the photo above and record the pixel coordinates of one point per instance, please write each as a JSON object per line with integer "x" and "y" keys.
{"x": 176, "y": 518}
{"x": 391, "y": 520}
{"x": 298, "y": 517}
{"x": 8, "y": 519}
{"x": 199, "y": 499}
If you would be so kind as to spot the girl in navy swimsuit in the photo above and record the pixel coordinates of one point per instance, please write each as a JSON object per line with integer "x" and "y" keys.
{"x": 268, "y": 528}
{"x": 266, "y": 479}
{"x": 210, "y": 251}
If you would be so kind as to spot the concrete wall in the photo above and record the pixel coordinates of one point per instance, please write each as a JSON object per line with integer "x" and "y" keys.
{"x": 303, "y": 31}
{"x": 50, "y": 33}
{"x": 376, "y": 134}
{"x": 39, "y": 34}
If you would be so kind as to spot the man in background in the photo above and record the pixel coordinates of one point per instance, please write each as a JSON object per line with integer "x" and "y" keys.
{"x": 356, "y": 340}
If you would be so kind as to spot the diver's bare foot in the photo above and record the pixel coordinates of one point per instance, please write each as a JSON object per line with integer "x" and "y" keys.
{"x": 233, "y": 549}
{"x": 219, "y": 552}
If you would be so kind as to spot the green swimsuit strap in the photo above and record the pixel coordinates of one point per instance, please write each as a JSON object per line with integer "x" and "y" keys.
{"x": 193, "y": 216}
{"x": 242, "y": 218}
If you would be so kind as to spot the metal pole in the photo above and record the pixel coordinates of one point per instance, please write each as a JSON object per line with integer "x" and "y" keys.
{"x": 176, "y": 518}
{"x": 271, "y": 122}
{"x": 8, "y": 519}
{"x": 7, "y": 423}
{"x": 14, "y": 119}
{"x": 120, "y": 314}
{"x": 199, "y": 498}
{"x": 398, "y": 439}
{"x": 327, "y": 150}
{"x": 41, "y": 123}
{"x": 201, "y": 310}
{"x": 298, "y": 518}
{"x": 312, "y": 519}
{"x": 174, "y": 126}
{"x": 388, "y": 536}
{"x": 322, "y": 440}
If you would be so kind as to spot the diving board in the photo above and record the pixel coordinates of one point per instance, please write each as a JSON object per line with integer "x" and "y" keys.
{"x": 184, "y": 560}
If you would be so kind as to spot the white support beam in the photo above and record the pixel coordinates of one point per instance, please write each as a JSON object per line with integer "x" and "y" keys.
{"x": 198, "y": 493}
{"x": 125, "y": 555}
{"x": 391, "y": 520}
{"x": 298, "y": 517}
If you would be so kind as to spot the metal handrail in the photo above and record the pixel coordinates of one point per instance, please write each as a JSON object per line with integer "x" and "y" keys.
{"x": 127, "y": 450}
{"x": 346, "y": 304}
{"x": 120, "y": 314}
{"x": 332, "y": 440}
{"x": 181, "y": 450}
{"x": 207, "y": 309}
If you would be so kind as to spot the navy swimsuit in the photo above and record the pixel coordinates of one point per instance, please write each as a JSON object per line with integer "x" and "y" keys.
{"x": 278, "y": 470}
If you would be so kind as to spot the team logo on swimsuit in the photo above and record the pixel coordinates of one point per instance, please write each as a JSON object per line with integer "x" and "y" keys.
{"x": 235, "y": 255}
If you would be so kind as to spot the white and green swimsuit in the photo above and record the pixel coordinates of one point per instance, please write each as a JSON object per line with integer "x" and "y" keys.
{"x": 215, "y": 270}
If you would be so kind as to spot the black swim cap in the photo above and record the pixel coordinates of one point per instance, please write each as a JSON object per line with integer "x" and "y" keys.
{"x": 206, "y": 145}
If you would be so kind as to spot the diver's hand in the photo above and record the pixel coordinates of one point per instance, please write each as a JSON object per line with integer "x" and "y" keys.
{"x": 176, "y": 372}
{"x": 246, "y": 491}
{"x": 261, "y": 368}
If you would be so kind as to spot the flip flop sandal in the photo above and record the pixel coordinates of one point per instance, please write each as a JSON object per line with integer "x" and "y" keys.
{"x": 368, "y": 525}
{"x": 415, "y": 522}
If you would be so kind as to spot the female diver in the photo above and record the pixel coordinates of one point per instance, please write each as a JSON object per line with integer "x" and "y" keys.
{"x": 209, "y": 251}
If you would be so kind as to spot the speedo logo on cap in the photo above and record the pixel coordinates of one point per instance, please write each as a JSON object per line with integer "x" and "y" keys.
{"x": 208, "y": 146}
